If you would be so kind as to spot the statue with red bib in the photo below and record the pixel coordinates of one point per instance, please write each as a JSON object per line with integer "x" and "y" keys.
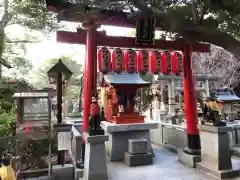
{"x": 95, "y": 117}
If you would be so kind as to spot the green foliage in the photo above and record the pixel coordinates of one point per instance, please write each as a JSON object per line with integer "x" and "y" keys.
{"x": 33, "y": 14}
{"x": 6, "y": 141}
{"x": 5, "y": 123}
{"x": 26, "y": 16}
{"x": 73, "y": 89}
{"x": 193, "y": 21}
{"x": 8, "y": 89}
{"x": 33, "y": 151}
{"x": 22, "y": 65}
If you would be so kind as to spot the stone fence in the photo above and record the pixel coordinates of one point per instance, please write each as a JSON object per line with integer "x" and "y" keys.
{"x": 174, "y": 136}
{"x": 76, "y": 142}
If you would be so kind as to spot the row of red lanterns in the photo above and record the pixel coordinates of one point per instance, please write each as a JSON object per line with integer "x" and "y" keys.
{"x": 139, "y": 61}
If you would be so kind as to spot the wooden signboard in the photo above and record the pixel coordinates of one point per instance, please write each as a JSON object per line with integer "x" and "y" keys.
{"x": 145, "y": 31}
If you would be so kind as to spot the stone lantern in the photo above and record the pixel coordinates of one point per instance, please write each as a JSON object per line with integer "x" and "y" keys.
{"x": 59, "y": 74}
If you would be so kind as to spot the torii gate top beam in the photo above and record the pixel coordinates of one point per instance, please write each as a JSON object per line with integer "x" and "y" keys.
{"x": 112, "y": 18}
{"x": 128, "y": 42}
{"x": 105, "y": 17}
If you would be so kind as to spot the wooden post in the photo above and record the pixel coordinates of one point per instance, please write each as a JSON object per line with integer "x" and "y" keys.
{"x": 59, "y": 88}
{"x": 190, "y": 104}
{"x": 90, "y": 75}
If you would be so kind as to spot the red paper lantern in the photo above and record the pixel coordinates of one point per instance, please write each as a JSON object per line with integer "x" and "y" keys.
{"x": 155, "y": 62}
{"x": 104, "y": 60}
{"x": 176, "y": 63}
{"x": 142, "y": 61}
{"x": 131, "y": 60}
{"x": 166, "y": 62}
{"x": 180, "y": 63}
{"x": 118, "y": 61}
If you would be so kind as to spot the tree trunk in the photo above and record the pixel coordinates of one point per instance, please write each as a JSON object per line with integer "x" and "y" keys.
{"x": 1, "y": 48}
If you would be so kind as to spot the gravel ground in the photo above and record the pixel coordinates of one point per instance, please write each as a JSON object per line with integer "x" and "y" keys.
{"x": 165, "y": 167}
{"x": 38, "y": 178}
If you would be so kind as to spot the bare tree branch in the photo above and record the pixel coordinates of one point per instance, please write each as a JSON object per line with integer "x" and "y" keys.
{"x": 194, "y": 12}
{"x": 21, "y": 41}
{"x": 189, "y": 30}
{"x": 220, "y": 63}
{"x": 204, "y": 10}
{"x": 5, "y": 17}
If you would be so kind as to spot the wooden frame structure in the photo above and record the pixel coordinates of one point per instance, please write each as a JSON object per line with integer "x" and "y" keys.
{"x": 91, "y": 18}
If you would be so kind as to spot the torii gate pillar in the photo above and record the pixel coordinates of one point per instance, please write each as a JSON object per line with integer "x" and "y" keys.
{"x": 190, "y": 104}
{"x": 90, "y": 73}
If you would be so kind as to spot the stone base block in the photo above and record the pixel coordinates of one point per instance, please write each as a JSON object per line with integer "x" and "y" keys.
{"x": 187, "y": 159}
{"x": 138, "y": 146}
{"x": 138, "y": 159}
{"x": 95, "y": 165}
{"x": 215, "y": 149}
{"x": 230, "y": 173}
{"x": 60, "y": 172}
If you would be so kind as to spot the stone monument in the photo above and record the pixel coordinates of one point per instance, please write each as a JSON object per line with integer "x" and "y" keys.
{"x": 215, "y": 152}
{"x": 119, "y": 134}
{"x": 95, "y": 165}
{"x": 138, "y": 154}
{"x": 95, "y": 118}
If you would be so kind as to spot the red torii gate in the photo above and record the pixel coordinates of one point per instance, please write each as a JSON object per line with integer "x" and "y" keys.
{"x": 92, "y": 39}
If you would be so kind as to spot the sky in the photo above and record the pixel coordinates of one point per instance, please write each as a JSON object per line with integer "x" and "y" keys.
{"x": 49, "y": 48}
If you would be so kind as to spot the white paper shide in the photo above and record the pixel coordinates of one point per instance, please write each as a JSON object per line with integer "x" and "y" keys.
{"x": 64, "y": 141}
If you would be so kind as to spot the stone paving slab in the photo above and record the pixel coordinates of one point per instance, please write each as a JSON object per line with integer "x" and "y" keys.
{"x": 165, "y": 167}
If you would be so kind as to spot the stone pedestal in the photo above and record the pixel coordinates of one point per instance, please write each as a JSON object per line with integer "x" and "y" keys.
{"x": 137, "y": 154}
{"x": 95, "y": 166}
{"x": 60, "y": 172}
{"x": 119, "y": 134}
{"x": 215, "y": 152}
{"x": 188, "y": 159}
{"x": 62, "y": 127}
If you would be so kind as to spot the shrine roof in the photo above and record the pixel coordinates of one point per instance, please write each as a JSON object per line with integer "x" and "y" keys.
{"x": 31, "y": 95}
{"x": 227, "y": 98}
{"x": 124, "y": 78}
{"x": 225, "y": 95}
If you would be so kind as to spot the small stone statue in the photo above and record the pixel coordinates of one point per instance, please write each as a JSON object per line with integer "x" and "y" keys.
{"x": 210, "y": 114}
{"x": 103, "y": 118}
{"x": 95, "y": 118}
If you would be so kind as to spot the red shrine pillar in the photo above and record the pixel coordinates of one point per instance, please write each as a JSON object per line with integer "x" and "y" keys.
{"x": 90, "y": 71}
{"x": 190, "y": 104}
